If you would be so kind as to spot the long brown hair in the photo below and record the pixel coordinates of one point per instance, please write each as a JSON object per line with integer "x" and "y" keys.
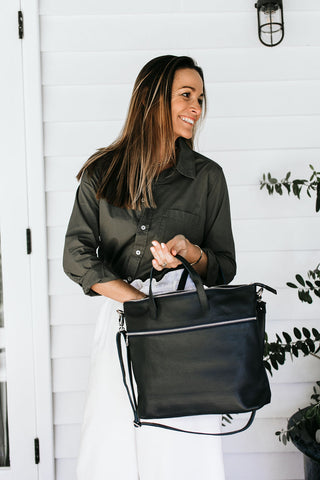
{"x": 131, "y": 163}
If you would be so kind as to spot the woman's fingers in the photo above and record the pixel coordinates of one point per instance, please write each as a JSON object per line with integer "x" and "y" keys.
{"x": 162, "y": 256}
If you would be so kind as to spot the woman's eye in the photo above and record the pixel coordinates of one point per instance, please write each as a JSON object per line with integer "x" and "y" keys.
{"x": 200, "y": 102}
{"x": 186, "y": 94}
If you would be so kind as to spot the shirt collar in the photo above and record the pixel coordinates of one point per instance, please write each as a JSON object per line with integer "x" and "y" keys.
{"x": 185, "y": 159}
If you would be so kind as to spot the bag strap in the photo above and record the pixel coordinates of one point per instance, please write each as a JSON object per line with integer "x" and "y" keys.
{"x": 183, "y": 280}
{"x": 196, "y": 280}
{"x": 133, "y": 402}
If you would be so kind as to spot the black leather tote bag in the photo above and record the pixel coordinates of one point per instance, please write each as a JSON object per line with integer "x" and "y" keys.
{"x": 195, "y": 352}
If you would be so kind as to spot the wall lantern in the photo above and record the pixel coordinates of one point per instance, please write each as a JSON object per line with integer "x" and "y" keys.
{"x": 270, "y": 22}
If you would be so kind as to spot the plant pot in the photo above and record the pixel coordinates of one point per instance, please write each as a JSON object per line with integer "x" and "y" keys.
{"x": 304, "y": 439}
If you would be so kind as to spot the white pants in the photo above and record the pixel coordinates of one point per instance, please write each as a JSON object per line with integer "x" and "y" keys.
{"x": 111, "y": 447}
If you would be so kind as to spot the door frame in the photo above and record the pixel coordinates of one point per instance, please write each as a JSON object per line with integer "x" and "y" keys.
{"x": 25, "y": 137}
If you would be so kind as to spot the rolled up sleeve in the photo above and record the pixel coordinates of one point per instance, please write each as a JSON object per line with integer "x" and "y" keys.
{"x": 219, "y": 243}
{"x": 80, "y": 258}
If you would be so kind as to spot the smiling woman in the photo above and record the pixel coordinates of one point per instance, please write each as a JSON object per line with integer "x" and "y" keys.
{"x": 186, "y": 102}
{"x": 141, "y": 201}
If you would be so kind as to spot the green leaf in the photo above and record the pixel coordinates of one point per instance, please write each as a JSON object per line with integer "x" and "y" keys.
{"x": 318, "y": 198}
{"x": 311, "y": 166}
{"x": 270, "y": 189}
{"x": 297, "y": 333}
{"x": 278, "y": 338}
{"x": 310, "y": 344}
{"x": 267, "y": 366}
{"x": 291, "y": 285}
{"x": 288, "y": 176}
{"x": 316, "y": 334}
{"x": 300, "y": 280}
{"x": 303, "y": 296}
{"x": 287, "y": 186}
{"x": 295, "y": 351}
{"x": 287, "y": 337}
{"x": 306, "y": 332}
{"x": 274, "y": 363}
{"x": 308, "y": 297}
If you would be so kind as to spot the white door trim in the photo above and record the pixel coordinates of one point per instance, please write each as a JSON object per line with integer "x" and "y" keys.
{"x": 26, "y": 276}
{"x": 37, "y": 223}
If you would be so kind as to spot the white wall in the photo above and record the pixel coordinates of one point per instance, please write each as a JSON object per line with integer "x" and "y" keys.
{"x": 264, "y": 115}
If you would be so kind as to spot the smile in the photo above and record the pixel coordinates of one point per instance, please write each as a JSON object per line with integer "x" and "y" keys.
{"x": 187, "y": 120}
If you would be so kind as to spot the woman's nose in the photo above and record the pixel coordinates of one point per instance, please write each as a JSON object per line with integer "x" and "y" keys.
{"x": 196, "y": 108}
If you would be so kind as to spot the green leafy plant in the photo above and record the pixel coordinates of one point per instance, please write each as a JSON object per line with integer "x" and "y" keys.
{"x": 307, "y": 286}
{"x": 296, "y": 186}
{"x": 311, "y": 415}
{"x": 305, "y": 343}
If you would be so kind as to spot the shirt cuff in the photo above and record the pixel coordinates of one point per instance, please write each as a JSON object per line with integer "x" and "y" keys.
{"x": 96, "y": 275}
{"x": 211, "y": 278}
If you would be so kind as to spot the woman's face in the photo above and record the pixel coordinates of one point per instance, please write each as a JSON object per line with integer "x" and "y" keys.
{"x": 186, "y": 101}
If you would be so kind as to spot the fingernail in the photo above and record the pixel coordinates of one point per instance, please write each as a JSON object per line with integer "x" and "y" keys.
{"x": 154, "y": 243}
{"x": 163, "y": 245}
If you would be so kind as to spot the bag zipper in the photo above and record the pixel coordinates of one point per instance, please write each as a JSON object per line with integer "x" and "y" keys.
{"x": 186, "y": 329}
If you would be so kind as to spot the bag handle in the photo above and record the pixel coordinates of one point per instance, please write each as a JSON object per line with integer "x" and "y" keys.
{"x": 196, "y": 280}
{"x": 132, "y": 399}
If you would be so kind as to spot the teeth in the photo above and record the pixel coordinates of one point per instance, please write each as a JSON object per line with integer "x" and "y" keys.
{"x": 188, "y": 120}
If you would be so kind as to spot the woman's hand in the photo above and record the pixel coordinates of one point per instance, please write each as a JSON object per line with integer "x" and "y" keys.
{"x": 165, "y": 253}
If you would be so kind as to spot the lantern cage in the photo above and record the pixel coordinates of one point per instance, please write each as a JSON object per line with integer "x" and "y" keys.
{"x": 270, "y": 22}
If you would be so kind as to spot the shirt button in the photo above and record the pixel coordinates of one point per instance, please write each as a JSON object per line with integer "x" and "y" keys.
{"x": 143, "y": 227}
{"x": 129, "y": 279}
{"x": 138, "y": 252}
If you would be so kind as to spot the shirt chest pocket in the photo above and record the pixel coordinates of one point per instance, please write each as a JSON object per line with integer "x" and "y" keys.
{"x": 175, "y": 222}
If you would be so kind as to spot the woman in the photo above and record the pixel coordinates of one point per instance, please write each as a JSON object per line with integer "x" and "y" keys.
{"x": 142, "y": 200}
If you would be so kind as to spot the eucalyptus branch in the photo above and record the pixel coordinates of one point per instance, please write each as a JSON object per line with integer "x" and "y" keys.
{"x": 275, "y": 352}
{"x": 307, "y": 286}
{"x": 312, "y": 414}
{"x": 272, "y": 185}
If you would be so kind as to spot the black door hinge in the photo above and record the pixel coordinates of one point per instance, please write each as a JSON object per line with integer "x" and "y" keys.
{"x": 20, "y": 24}
{"x": 28, "y": 236}
{"x": 36, "y": 451}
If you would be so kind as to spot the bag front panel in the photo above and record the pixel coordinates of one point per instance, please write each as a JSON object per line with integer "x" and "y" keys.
{"x": 212, "y": 370}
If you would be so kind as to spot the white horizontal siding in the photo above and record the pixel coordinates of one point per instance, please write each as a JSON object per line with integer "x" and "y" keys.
{"x": 240, "y": 167}
{"x": 227, "y": 65}
{"x": 274, "y": 466}
{"x": 263, "y": 115}
{"x": 247, "y": 99}
{"x": 110, "y": 32}
{"x": 246, "y": 133}
{"x": 58, "y": 7}
{"x": 268, "y": 466}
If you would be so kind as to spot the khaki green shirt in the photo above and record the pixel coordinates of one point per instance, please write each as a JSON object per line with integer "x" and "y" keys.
{"x": 105, "y": 243}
